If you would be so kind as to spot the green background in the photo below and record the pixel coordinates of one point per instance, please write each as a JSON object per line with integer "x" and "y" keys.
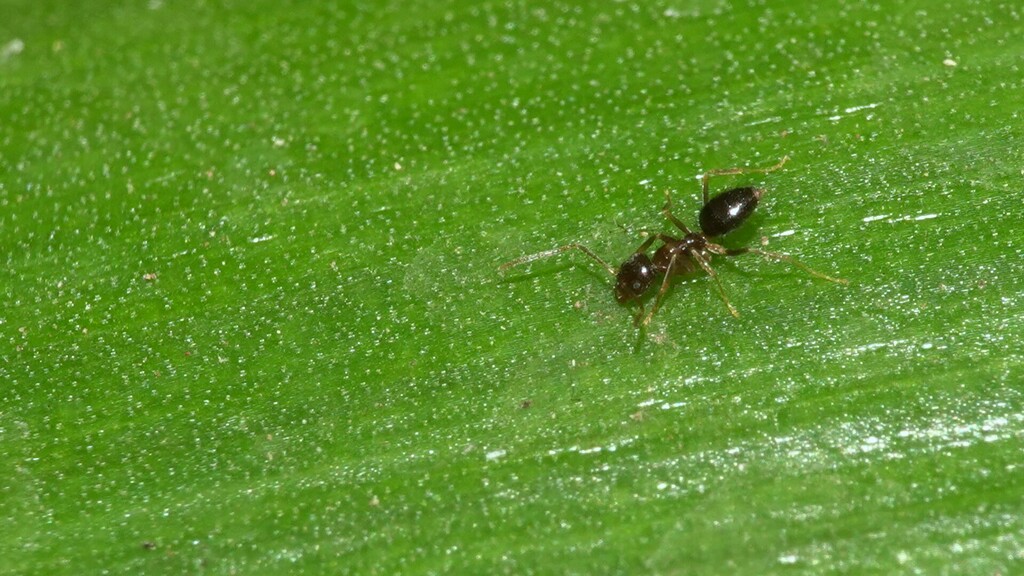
{"x": 252, "y": 320}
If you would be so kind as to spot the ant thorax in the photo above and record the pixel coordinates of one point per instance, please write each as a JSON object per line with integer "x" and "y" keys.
{"x": 680, "y": 250}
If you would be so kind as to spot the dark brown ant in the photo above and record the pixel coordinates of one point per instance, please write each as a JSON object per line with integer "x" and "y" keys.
{"x": 719, "y": 216}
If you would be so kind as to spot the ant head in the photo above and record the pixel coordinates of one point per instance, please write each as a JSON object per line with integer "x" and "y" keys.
{"x": 634, "y": 278}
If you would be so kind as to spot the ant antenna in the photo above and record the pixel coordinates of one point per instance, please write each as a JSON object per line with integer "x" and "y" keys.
{"x": 548, "y": 253}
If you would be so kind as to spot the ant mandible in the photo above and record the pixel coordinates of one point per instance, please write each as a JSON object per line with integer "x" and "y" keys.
{"x": 719, "y": 216}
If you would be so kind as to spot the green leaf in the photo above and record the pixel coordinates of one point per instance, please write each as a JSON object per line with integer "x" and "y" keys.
{"x": 254, "y": 323}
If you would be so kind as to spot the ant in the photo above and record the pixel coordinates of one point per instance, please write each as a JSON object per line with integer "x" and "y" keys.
{"x": 719, "y": 216}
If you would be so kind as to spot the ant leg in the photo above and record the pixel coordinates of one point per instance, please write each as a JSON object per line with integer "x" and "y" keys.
{"x": 639, "y": 314}
{"x": 532, "y": 257}
{"x": 661, "y": 292}
{"x": 647, "y": 243}
{"x": 664, "y": 281}
{"x": 711, "y": 272}
{"x": 642, "y": 232}
{"x": 777, "y": 256}
{"x": 733, "y": 171}
{"x": 668, "y": 274}
{"x": 667, "y": 211}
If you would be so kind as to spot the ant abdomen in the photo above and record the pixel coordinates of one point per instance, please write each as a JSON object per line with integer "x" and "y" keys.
{"x": 727, "y": 211}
